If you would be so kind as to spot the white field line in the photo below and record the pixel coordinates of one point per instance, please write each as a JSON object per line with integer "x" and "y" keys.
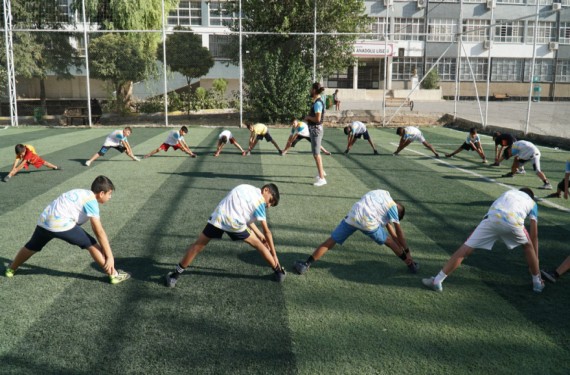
{"x": 488, "y": 179}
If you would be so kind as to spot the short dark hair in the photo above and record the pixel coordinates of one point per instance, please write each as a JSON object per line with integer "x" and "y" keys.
{"x": 496, "y": 134}
{"x": 19, "y": 148}
{"x": 400, "y": 131}
{"x": 274, "y": 191}
{"x": 224, "y": 139}
{"x": 102, "y": 184}
{"x": 317, "y": 87}
{"x": 184, "y": 129}
{"x": 401, "y": 211}
{"x": 248, "y": 123}
{"x": 129, "y": 129}
{"x": 473, "y": 130}
{"x": 528, "y": 191}
{"x": 347, "y": 129}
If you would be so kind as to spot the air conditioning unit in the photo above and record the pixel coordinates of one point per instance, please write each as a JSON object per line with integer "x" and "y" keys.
{"x": 488, "y": 44}
{"x": 491, "y": 4}
{"x": 421, "y": 4}
{"x": 553, "y": 46}
{"x": 388, "y": 3}
{"x": 556, "y": 6}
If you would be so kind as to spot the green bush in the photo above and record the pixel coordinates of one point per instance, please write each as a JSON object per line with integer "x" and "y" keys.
{"x": 431, "y": 81}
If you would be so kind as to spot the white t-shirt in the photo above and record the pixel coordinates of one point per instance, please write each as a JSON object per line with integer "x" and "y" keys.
{"x": 72, "y": 208}
{"x": 475, "y": 139}
{"x": 357, "y": 128}
{"x": 376, "y": 208}
{"x": 114, "y": 139}
{"x": 413, "y": 133}
{"x": 243, "y": 205}
{"x": 301, "y": 129}
{"x": 525, "y": 150}
{"x": 174, "y": 138}
{"x": 227, "y": 134}
{"x": 513, "y": 207}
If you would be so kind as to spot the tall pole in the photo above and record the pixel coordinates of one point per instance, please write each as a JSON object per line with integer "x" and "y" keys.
{"x": 385, "y": 60}
{"x": 87, "y": 75}
{"x": 240, "y": 70}
{"x": 10, "y": 63}
{"x": 531, "y": 78}
{"x": 459, "y": 41}
{"x": 164, "y": 78}
{"x": 315, "y": 45}
{"x": 491, "y": 37}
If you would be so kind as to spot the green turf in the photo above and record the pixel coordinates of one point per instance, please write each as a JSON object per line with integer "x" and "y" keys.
{"x": 356, "y": 311}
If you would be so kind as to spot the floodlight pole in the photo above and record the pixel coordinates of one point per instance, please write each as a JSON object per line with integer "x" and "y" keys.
{"x": 315, "y": 45}
{"x": 385, "y": 61}
{"x": 240, "y": 70}
{"x": 164, "y": 65}
{"x": 10, "y": 63}
{"x": 87, "y": 76}
{"x": 491, "y": 37}
{"x": 531, "y": 78}
{"x": 459, "y": 40}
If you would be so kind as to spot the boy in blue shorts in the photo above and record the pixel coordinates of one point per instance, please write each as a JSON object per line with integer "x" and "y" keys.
{"x": 63, "y": 219}
{"x": 235, "y": 215}
{"x": 355, "y": 131}
{"x": 117, "y": 140}
{"x": 376, "y": 215}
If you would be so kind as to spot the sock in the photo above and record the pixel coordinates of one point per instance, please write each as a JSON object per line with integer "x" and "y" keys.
{"x": 178, "y": 271}
{"x": 536, "y": 279}
{"x": 310, "y": 260}
{"x": 439, "y": 278}
{"x": 116, "y": 273}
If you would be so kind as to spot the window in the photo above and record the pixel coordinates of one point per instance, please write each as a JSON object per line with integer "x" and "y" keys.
{"x": 369, "y": 73}
{"x": 479, "y": 67}
{"x": 219, "y": 15}
{"x": 546, "y": 32}
{"x": 475, "y": 30}
{"x": 402, "y": 68}
{"x": 188, "y": 13}
{"x": 343, "y": 79}
{"x": 444, "y": 1}
{"x": 509, "y": 32}
{"x": 564, "y": 33}
{"x": 408, "y": 29}
{"x": 474, "y": 1}
{"x": 510, "y": 1}
{"x": 375, "y": 30}
{"x": 543, "y": 70}
{"x": 563, "y": 71}
{"x": 446, "y": 68}
{"x": 441, "y": 30}
{"x": 221, "y": 45}
{"x": 506, "y": 70}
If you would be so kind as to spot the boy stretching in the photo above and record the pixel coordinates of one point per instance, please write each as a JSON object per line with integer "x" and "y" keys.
{"x": 472, "y": 143}
{"x": 502, "y": 141}
{"x": 175, "y": 140}
{"x": 376, "y": 215}
{"x": 259, "y": 131}
{"x": 410, "y": 134}
{"x": 225, "y": 137}
{"x": 26, "y": 156}
{"x": 63, "y": 219}
{"x": 299, "y": 131}
{"x": 117, "y": 140}
{"x": 524, "y": 151}
{"x": 562, "y": 185}
{"x": 355, "y": 131}
{"x": 554, "y": 275}
{"x": 235, "y": 215}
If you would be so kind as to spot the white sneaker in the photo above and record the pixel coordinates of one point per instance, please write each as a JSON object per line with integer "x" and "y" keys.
{"x": 137, "y": 159}
{"x": 317, "y": 176}
{"x": 521, "y": 171}
{"x": 87, "y": 163}
{"x": 320, "y": 182}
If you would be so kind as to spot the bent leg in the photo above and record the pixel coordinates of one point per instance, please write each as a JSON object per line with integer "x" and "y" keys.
{"x": 256, "y": 243}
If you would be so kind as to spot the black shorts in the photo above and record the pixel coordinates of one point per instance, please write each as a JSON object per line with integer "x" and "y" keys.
{"x": 365, "y": 135}
{"x": 300, "y": 138}
{"x": 104, "y": 149}
{"x": 267, "y": 137}
{"x": 214, "y": 232}
{"x": 75, "y": 236}
{"x": 561, "y": 186}
{"x": 468, "y": 147}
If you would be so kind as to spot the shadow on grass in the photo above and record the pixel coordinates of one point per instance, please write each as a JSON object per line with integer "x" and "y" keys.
{"x": 27, "y": 270}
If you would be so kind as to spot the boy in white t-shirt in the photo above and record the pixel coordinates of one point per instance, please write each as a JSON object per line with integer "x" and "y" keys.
{"x": 117, "y": 140}
{"x": 472, "y": 143}
{"x": 524, "y": 151}
{"x": 299, "y": 131}
{"x": 504, "y": 221}
{"x": 225, "y": 137}
{"x": 175, "y": 139}
{"x": 410, "y": 134}
{"x": 236, "y": 215}
{"x": 63, "y": 218}
{"x": 376, "y": 215}
{"x": 355, "y": 131}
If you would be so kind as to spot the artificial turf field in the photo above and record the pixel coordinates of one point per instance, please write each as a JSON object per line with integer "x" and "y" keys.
{"x": 357, "y": 311}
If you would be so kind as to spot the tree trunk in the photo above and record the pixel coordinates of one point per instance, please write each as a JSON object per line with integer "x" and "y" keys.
{"x": 43, "y": 103}
{"x": 125, "y": 102}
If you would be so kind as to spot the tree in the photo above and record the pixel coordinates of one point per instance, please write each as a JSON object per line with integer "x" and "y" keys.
{"x": 334, "y": 52}
{"x": 186, "y": 55}
{"x": 431, "y": 81}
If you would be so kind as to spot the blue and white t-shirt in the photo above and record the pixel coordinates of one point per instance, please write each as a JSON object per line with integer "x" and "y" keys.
{"x": 301, "y": 129}
{"x": 227, "y": 134}
{"x": 357, "y": 128}
{"x": 114, "y": 139}
{"x": 525, "y": 150}
{"x": 173, "y": 138}
{"x": 476, "y": 139}
{"x": 513, "y": 207}
{"x": 243, "y": 205}
{"x": 376, "y": 208}
{"x": 411, "y": 132}
{"x": 72, "y": 208}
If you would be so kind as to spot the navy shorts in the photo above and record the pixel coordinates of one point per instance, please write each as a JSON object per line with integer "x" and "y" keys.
{"x": 214, "y": 232}
{"x": 561, "y": 185}
{"x": 468, "y": 147}
{"x": 267, "y": 137}
{"x": 104, "y": 149}
{"x": 298, "y": 139}
{"x": 75, "y": 236}
{"x": 365, "y": 135}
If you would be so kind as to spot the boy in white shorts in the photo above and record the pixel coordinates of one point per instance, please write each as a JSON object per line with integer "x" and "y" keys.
{"x": 524, "y": 151}
{"x": 355, "y": 131}
{"x": 376, "y": 215}
{"x": 504, "y": 221}
{"x": 299, "y": 131}
{"x": 410, "y": 134}
{"x": 117, "y": 140}
{"x": 225, "y": 137}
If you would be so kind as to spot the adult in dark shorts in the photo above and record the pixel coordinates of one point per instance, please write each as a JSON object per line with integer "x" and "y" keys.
{"x": 502, "y": 142}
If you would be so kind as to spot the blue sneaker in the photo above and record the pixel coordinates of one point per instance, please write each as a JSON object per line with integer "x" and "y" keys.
{"x": 429, "y": 282}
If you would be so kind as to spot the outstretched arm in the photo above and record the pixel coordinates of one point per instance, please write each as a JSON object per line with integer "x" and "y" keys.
{"x": 104, "y": 243}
